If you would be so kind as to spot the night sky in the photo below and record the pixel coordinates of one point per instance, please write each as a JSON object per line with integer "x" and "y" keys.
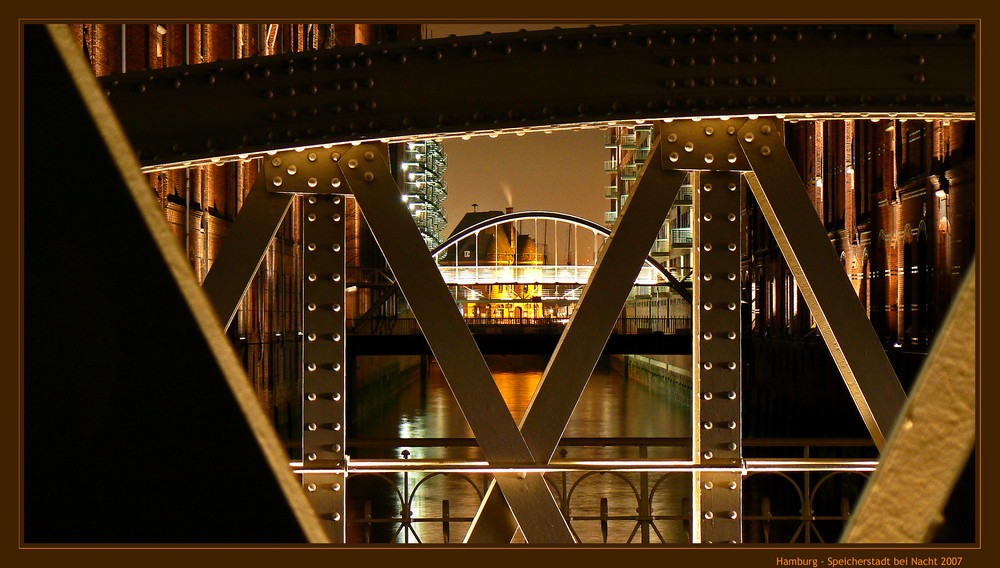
{"x": 562, "y": 171}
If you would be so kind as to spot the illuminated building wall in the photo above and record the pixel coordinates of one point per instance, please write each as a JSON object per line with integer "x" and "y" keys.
{"x": 424, "y": 189}
{"x": 200, "y": 203}
{"x": 898, "y": 201}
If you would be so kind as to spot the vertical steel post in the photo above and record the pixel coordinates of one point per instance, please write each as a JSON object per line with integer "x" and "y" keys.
{"x": 323, "y": 360}
{"x": 716, "y": 428}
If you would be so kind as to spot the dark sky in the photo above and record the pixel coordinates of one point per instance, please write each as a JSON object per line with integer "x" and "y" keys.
{"x": 562, "y": 171}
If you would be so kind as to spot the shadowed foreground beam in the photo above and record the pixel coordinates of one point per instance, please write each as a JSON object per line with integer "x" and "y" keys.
{"x": 139, "y": 423}
{"x": 931, "y": 441}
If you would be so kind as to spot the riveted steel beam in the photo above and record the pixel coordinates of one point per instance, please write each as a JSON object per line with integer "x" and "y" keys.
{"x": 582, "y": 341}
{"x": 324, "y": 362}
{"x": 931, "y": 442}
{"x": 540, "y": 79}
{"x": 820, "y": 276}
{"x": 366, "y": 174}
{"x": 246, "y": 244}
{"x": 140, "y": 424}
{"x": 716, "y": 377}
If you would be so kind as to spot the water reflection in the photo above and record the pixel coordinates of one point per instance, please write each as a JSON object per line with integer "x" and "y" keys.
{"x": 611, "y": 406}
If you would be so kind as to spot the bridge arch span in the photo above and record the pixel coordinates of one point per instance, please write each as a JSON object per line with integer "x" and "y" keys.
{"x": 650, "y": 263}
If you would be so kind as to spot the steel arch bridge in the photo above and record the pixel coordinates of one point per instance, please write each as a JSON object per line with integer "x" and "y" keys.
{"x": 653, "y": 273}
{"x": 718, "y": 94}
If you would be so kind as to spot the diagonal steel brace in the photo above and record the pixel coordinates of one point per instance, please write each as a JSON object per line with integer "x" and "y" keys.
{"x": 584, "y": 337}
{"x": 368, "y": 177}
{"x": 256, "y": 224}
{"x": 803, "y": 241}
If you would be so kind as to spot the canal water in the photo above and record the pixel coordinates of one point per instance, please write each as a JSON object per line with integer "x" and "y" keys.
{"x": 612, "y": 406}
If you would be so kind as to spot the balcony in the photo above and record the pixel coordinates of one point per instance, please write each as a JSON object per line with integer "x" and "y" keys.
{"x": 611, "y": 191}
{"x": 630, "y": 172}
{"x": 685, "y": 195}
{"x": 681, "y": 237}
{"x": 610, "y": 217}
{"x": 628, "y": 142}
{"x": 611, "y": 166}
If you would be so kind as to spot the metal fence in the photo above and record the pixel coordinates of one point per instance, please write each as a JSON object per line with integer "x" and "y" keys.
{"x": 518, "y": 326}
{"x": 637, "y": 490}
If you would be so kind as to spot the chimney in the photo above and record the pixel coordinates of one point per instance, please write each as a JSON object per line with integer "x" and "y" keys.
{"x": 509, "y": 210}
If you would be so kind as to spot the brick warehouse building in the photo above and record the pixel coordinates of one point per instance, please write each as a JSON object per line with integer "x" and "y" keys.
{"x": 898, "y": 201}
{"x": 201, "y": 202}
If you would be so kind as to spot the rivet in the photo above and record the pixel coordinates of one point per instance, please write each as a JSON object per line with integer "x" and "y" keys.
{"x": 707, "y": 247}
{"x": 732, "y": 247}
{"x": 311, "y": 217}
{"x": 336, "y": 307}
{"x": 311, "y": 396}
{"x": 335, "y": 182}
{"x": 336, "y": 427}
{"x": 732, "y": 158}
{"x": 336, "y": 277}
{"x": 336, "y": 487}
{"x": 311, "y": 366}
{"x": 336, "y": 517}
{"x": 369, "y": 156}
{"x": 707, "y": 396}
{"x": 732, "y": 276}
{"x": 748, "y": 136}
{"x": 311, "y": 307}
{"x": 335, "y": 156}
{"x": 708, "y": 485}
{"x": 731, "y": 306}
{"x": 312, "y": 426}
{"x": 335, "y": 337}
{"x": 707, "y": 365}
{"x": 707, "y": 305}
{"x": 731, "y": 425}
{"x": 765, "y": 151}
{"x": 707, "y": 425}
{"x": 336, "y": 247}
{"x": 276, "y": 161}
{"x": 352, "y": 163}
{"x": 673, "y": 157}
{"x": 708, "y": 187}
{"x": 312, "y": 156}
{"x": 732, "y": 485}
{"x": 765, "y": 129}
{"x": 732, "y": 335}
{"x": 708, "y": 455}
{"x": 732, "y": 365}
{"x": 336, "y": 397}
{"x": 311, "y": 337}
{"x": 732, "y": 514}
{"x": 731, "y": 446}
{"x": 709, "y": 130}
{"x": 336, "y": 217}
{"x": 709, "y": 158}
{"x": 732, "y": 186}
{"x": 276, "y": 181}
{"x": 732, "y": 216}
{"x": 689, "y": 146}
{"x": 707, "y": 216}
{"x": 311, "y": 487}
{"x": 707, "y": 276}
{"x": 730, "y": 130}
{"x": 311, "y": 457}
{"x": 672, "y": 137}
{"x": 731, "y": 395}
{"x": 707, "y": 336}
{"x": 369, "y": 177}
{"x": 312, "y": 182}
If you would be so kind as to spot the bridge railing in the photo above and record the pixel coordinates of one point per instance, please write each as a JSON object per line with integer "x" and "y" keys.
{"x": 629, "y": 496}
{"x": 529, "y": 274}
{"x": 524, "y": 326}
